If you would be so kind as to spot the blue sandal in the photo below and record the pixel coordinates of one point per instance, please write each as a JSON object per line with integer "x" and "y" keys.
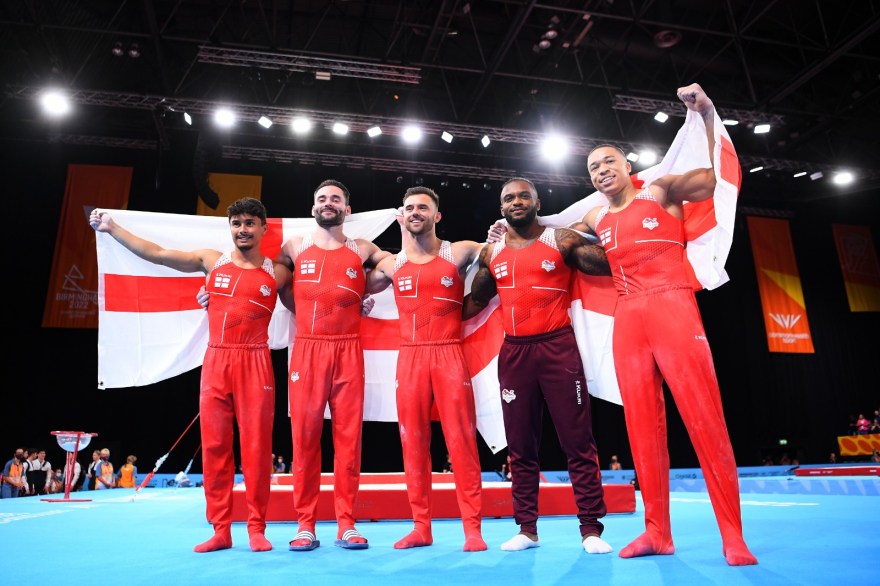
{"x": 346, "y": 541}
{"x": 307, "y": 536}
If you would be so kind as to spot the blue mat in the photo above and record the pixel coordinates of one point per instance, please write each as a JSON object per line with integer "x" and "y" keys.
{"x": 147, "y": 538}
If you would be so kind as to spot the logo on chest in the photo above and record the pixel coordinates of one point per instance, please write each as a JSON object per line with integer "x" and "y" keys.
{"x": 548, "y": 265}
{"x": 222, "y": 281}
{"x": 265, "y": 290}
{"x": 352, "y": 274}
{"x": 500, "y": 270}
{"x": 605, "y": 236}
{"x": 447, "y": 281}
{"x": 650, "y": 223}
{"x": 308, "y": 267}
{"x": 405, "y": 284}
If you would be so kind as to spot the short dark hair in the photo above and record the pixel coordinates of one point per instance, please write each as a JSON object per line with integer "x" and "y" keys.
{"x": 607, "y": 146}
{"x": 334, "y": 183}
{"x": 419, "y": 190}
{"x": 249, "y": 206}
{"x": 523, "y": 179}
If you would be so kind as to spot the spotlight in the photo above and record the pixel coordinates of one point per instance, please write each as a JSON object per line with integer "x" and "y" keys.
{"x": 301, "y": 125}
{"x": 117, "y": 49}
{"x": 486, "y": 186}
{"x": 816, "y": 175}
{"x": 762, "y": 128}
{"x": 632, "y": 157}
{"x": 843, "y": 178}
{"x": 756, "y": 169}
{"x": 399, "y": 179}
{"x": 661, "y": 116}
{"x": 55, "y": 103}
{"x": 648, "y": 157}
{"x": 187, "y": 118}
{"x": 544, "y": 44}
{"x": 134, "y": 51}
{"x": 485, "y": 141}
{"x": 322, "y": 75}
{"x": 374, "y": 131}
{"x": 340, "y": 128}
{"x": 264, "y": 122}
{"x": 444, "y": 183}
{"x": 799, "y": 174}
{"x": 466, "y": 185}
{"x": 729, "y": 122}
{"x": 411, "y": 134}
{"x": 446, "y": 137}
{"x": 224, "y": 117}
{"x": 554, "y": 148}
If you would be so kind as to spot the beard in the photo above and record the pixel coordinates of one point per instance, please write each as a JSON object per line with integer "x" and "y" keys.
{"x": 522, "y": 221}
{"x": 329, "y": 221}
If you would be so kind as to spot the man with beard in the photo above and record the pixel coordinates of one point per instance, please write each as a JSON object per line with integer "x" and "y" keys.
{"x": 327, "y": 362}
{"x": 531, "y": 270}
{"x": 428, "y": 277}
{"x": 237, "y": 380}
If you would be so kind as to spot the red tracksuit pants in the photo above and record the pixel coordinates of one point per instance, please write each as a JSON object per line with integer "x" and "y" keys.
{"x": 437, "y": 373}
{"x": 658, "y": 335}
{"x": 326, "y": 369}
{"x": 237, "y": 385}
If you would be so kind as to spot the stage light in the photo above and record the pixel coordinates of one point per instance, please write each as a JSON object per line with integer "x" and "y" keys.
{"x": 340, "y": 128}
{"x": 486, "y": 186}
{"x": 661, "y": 116}
{"x": 117, "y": 49}
{"x": 729, "y": 122}
{"x": 264, "y": 122}
{"x": 632, "y": 157}
{"x": 446, "y": 137}
{"x": 134, "y": 51}
{"x": 374, "y": 131}
{"x": 816, "y": 175}
{"x": 322, "y": 75}
{"x": 756, "y": 169}
{"x": 466, "y": 185}
{"x": 843, "y": 178}
{"x": 444, "y": 183}
{"x": 485, "y": 141}
{"x": 55, "y": 103}
{"x": 799, "y": 174}
{"x": 411, "y": 134}
{"x": 554, "y": 148}
{"x": 648, "y": 157}
{"x": 301, "y": 125}
{"x": 762, "y": 128}
{"x": 187, "y": 118}
{"x": 224, "y": 117}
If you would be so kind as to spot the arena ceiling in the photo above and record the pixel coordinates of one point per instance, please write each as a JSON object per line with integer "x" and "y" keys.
{"x": 594, "y": 70}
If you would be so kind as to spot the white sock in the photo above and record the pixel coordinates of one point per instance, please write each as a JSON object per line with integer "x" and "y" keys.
{"x": 519, "y": 542}
{"x": 595, "y": 544}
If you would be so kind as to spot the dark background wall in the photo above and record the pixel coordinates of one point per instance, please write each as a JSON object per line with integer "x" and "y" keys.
{"x": 805, "y": 399}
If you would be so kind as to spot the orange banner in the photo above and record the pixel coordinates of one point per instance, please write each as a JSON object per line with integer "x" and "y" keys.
{"x": 858, "y": 445}
{"x": 230, "y": 188}
{"x": 72, "y": 298}
{"x": 858, "y": 262}
{"x": 782, "y": 298}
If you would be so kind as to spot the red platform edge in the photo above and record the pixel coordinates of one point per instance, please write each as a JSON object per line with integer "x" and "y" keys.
{"x": 839, "y": 471}
{"x": 383, "y": 496}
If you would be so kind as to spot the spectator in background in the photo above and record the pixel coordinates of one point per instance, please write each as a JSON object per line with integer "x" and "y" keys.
{"x": 863, "y": 426}
{"x": 55, "y": 483}
{"x": 875, "y": 424}
{"x": 875, "y": 457}
{"x": 127, "y": 476}
{"x": 104, "y": 472}
{"x": 832, "y": 459}
{"x": 91, "y": 477}
{"x": 280, "y": 466}
{"x": 12, "y": 483}
{"x": 615, "y": 464}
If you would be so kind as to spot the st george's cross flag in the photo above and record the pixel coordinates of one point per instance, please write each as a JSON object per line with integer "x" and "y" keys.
{"x": 151, "y": 328}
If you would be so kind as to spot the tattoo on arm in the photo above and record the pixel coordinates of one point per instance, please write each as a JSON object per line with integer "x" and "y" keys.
{"x": 580, "y": 254}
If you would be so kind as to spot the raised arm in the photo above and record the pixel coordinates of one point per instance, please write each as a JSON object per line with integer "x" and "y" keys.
{"x": 697, "y": 184}
{"x": 483, "y": 287}
{"x": 579, "y": 253}
{"x": 187, "y": 262}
